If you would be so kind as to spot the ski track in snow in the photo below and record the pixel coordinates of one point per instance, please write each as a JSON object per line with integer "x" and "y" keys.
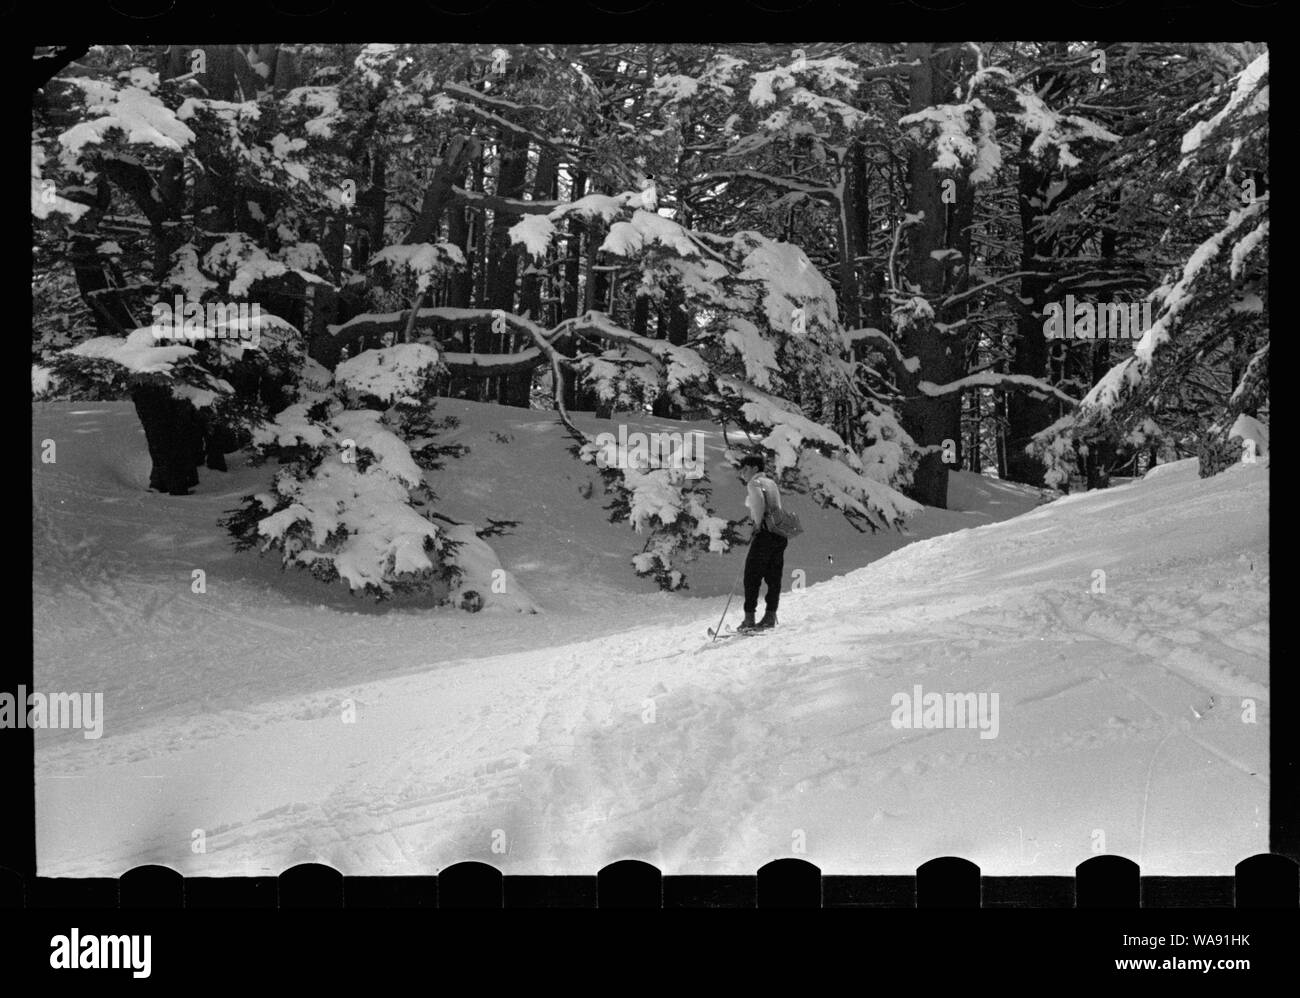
{"x": 575, "y": 743}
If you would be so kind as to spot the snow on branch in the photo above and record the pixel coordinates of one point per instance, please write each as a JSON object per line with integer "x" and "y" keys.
{"x": 948, "y": 128}
{"x": 1055, "y": 130}
{"x": 350, "y": 502}
{"x": 1007, "y": 382}
{"x": 468, "y": 99}
{"x": 139, "y": 353}
{"x": 971, "y": 292}
{"x": 139, "y": 116}
{"x": 1131, "y": 372}
{"x": 835, "y": 484}
{"x": 423, "y": 261}
{"x": 468, "y": 93}
{"x": 495, "y": 202}
{"x": 682, "y": 365}
{"x": 794, "y": 439}
{"x": 381, "y": 322}
{"x": 388, "y": 374}
{"x": 886, "y": 342}
{"x": 1252, "y": 85}
{"x": 823, "y": 192}
{"x": 45, "y": 199}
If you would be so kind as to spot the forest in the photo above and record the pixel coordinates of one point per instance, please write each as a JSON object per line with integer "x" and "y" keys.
{"x": 873, "y": 263}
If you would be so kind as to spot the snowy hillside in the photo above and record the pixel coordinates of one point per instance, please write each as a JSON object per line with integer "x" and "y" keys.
{"x": 284, "y": 721}
{"x": 112, "y": 585}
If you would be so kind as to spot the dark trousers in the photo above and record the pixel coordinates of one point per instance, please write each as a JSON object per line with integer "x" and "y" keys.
{"x": 764, "y": 563}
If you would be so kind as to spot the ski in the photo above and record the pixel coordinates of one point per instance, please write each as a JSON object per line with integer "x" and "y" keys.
{"x": 727, "y": 633}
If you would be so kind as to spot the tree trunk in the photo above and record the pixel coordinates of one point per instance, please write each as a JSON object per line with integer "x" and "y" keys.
{"x": 503, "y": 258}
{"x": 375, "y": 204}
{"x": 871, "y": 306}
{"x": 674, "y": 325}
{"x": 1101, "y": 453}
{"x": 174, "y": 437}
{"x": 112, "y": 317}
{"x": 931, "y": 421}
{"x": 960, "y": 216}
{"x": 460, "y": 287}
{"x": 1027, "y": 415}
{"x": 572, "y": 291}
{"x": 849, "y": 221}
{"x": 531, "y": 285}
{"x": 461, "y": 151}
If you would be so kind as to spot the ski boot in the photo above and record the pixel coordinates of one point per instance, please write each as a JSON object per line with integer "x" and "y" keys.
{"x": 768, "y": 621}
{"x": 747, "y": 624}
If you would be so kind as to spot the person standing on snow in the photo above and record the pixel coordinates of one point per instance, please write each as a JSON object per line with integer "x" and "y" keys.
{"x": 766, "y": 559}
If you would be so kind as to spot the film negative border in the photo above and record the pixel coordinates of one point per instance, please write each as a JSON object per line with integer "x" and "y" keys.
{"x": 1264, "y": 881}
{"x": 751, "y": 19}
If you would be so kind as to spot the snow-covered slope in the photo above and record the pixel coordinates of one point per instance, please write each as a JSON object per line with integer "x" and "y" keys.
{"x": 289, "y": 724}
{"x": 114, "y": 563}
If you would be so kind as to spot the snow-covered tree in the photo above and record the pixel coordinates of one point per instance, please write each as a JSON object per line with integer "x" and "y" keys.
{"x": 350, "y": 502}
{"x": 1209, "y": 342}
{"x": 225, "y": 195}
{"x": 838, "y": 253}
{"x": 766, "y": 327}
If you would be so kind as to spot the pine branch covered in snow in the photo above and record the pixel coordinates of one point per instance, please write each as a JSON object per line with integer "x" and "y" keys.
{"x": 820, "y": 460}
{"x": 346, "y": 505}
{"x": 768, "y": 330}
{"x": 350, "y": 502}
{"x": 1212, "y": 317}
{"x": 669, "y": 504}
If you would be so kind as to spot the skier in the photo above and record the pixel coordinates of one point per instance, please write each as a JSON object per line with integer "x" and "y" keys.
{"x": 766, "y": 559}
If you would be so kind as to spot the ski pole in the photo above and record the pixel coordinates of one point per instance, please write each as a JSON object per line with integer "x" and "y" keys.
{"x": 718, "y": 630}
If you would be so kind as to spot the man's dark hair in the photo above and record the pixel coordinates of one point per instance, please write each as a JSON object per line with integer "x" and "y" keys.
{"x": 754, "y": 461}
